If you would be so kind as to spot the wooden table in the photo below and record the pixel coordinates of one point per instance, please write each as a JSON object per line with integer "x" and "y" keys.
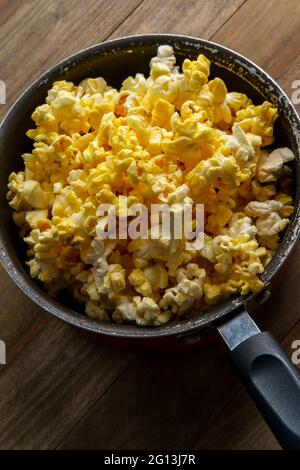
{"x": 60, "y": 389}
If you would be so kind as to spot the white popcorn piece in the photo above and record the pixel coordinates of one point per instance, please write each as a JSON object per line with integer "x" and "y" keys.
{"x": 270, "y": 224}
{"x": 270, "y": 166}
{"x": 260, "y": 209}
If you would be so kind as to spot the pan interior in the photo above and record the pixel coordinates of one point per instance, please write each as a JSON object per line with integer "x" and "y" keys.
{"x": 115, "y": 61}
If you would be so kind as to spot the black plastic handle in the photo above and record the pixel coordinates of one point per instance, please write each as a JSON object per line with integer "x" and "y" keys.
{"x": 274, "y": 384}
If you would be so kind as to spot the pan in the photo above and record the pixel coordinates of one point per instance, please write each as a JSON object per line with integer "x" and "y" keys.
{"x": 267, "y": 373}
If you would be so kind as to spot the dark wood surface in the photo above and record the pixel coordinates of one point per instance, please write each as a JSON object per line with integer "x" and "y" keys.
{"x": 63, "y": 389}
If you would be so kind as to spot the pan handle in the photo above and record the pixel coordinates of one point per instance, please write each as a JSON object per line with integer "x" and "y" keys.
{"x": 273, "y": 383}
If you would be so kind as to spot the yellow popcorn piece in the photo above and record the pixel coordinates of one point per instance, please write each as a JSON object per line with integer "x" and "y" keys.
{"x": 217, "y": 167}
{"x": 142, "y": 285}
{"x": 258, "y": 120}
{"x": 157, "y": 276}
{"x": 196, "y": 71}
{"x": 29, "y": 193}
{"x": 218, "y": 89}
{"x": 175, "y": 137}
{"x": 115, "y": 279}
{"x": 189, "y": 288}
{"x": 262, "y": 192}
{"x": 218, "y": 219}
{"x": 91, "y": 86}
{"x": 161, "y": 114}
{"x": 237, "y": 101}
{"x": 212, "y": 293}
{"x": 37, "y": 218}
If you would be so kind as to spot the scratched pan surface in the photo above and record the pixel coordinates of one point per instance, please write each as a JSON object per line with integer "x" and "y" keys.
{"x": 115, "y": 60}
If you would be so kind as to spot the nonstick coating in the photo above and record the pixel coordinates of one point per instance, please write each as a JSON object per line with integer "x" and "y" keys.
{"x": 115, "y": 60}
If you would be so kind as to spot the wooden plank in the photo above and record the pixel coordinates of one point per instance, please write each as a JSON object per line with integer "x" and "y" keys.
{"x": 58, "y": 376}
{"x": 240, "y": 425}
{"x": 161, "y": 402}
{"x": 8, "y": 9}
{"x": 35, "y": 35}
{"x": 20, "y": 320}
{"x": 261, "y": 20}
{"x": 267, "y": 32}
{"x": 198, "y": 18}
{"x": 287, "y": 77}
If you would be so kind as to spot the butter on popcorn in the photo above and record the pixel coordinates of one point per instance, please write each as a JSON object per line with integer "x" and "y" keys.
{"x": 173, "y": 137}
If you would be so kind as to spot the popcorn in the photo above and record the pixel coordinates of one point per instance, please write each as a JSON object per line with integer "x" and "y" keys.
{"x": 28, "y": 193}
{"x": 165, "y": 56}
{"x": 270, "y": 166}
{"x": 208, "y": 171}
{"x": 269, "y": 221}
{"x": 161, "y": 114}
{"x": 138, "y": 279}
{"x": 181, "y": 297}
{"x": 175, "y": 138}
{"x": 270, "y": 224}
{"x": 196, "y": 72}
{"x": 258, "y": 120}
{"x": 143, "y": 311}
{"x": 262, "y": 192}
{"x": 259, "y": 209}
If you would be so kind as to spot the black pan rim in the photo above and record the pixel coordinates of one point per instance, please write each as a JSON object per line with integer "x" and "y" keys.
{"x": 40, "y": 297}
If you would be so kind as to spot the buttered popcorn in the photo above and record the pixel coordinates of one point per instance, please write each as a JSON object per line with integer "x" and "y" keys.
{"x": 175, "y": 137}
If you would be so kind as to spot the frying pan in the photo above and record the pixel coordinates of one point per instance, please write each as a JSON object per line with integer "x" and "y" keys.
{"x": 271, "y": 379}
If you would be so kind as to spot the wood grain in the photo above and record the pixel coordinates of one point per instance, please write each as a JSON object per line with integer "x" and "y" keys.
{"x": 20, "y": 320}
{"x": 162, "y": 402}
{"x": 200, "y": 18}
{"x": 268, "y": 33}
{"x": 46, "y": 391}
{"x": 36, "y": 34}
{"x": 62, "y": 389}
{"x": 238, "y": 427}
